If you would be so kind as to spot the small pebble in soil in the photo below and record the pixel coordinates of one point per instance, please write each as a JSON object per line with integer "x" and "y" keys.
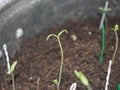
{"x": 112, "y": 47}
{"x": 96, "y": 45}
{"x": 74, "y": 37}
{"x": 90, "y": 33}
{"x": 105, "y": 68}
{"x": 67, "y": 59}
{"x": 31, "y": 78}
{"x": 76, "y": 44}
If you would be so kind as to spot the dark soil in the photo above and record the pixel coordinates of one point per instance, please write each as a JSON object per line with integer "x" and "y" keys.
{"x": 39, "y": 59}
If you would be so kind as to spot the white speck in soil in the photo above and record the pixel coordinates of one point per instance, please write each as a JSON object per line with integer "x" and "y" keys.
{"x": 90, "y": 33}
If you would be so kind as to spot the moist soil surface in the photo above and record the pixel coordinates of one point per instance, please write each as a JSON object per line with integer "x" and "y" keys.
{"x": 39, "y": 59}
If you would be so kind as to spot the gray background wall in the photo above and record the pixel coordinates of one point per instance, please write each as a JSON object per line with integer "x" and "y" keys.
{"x": 33, "y": 16}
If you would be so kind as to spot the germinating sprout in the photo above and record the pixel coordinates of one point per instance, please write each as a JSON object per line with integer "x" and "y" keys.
{"x": 104, "y": 10}
{"x": 115, "y": 29}
{"x": 62, "y": 55}
{"x": 83, "y": 79}
{"x": 10, "y": 68}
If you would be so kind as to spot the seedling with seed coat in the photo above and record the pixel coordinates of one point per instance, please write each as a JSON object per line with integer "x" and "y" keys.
{"x": 57, "y": 82}
{"x": 10, "y": 68}
{"x": 115, "y": 29}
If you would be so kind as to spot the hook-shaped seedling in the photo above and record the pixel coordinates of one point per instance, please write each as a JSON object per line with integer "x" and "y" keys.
{"x": 115, "y": 29}
{"x": 55, "y": 35}
{"x": 10, "y": 68}
{"x": 62, "y": 56}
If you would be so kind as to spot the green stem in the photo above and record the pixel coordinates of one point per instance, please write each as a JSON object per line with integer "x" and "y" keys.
{"x": 13, "y": 83}
{"x": 61, "y": 65}
{"x": 103, "y": 45}
{"x": 106, "y": 23}
{"x": 61, "y": 49}
{"x": 118, "y": 86}
{"x": 116, "y": 45}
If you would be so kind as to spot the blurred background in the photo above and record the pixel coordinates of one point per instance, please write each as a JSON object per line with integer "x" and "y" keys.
{"x": 20, "y": 19}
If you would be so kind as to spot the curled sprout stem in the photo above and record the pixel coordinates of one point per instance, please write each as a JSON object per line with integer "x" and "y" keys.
{"x": 62, "y": 54}
{"x": 116, "y": 46}
{"x": 115, "y": 29}
{"x": 8, "y": 65}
